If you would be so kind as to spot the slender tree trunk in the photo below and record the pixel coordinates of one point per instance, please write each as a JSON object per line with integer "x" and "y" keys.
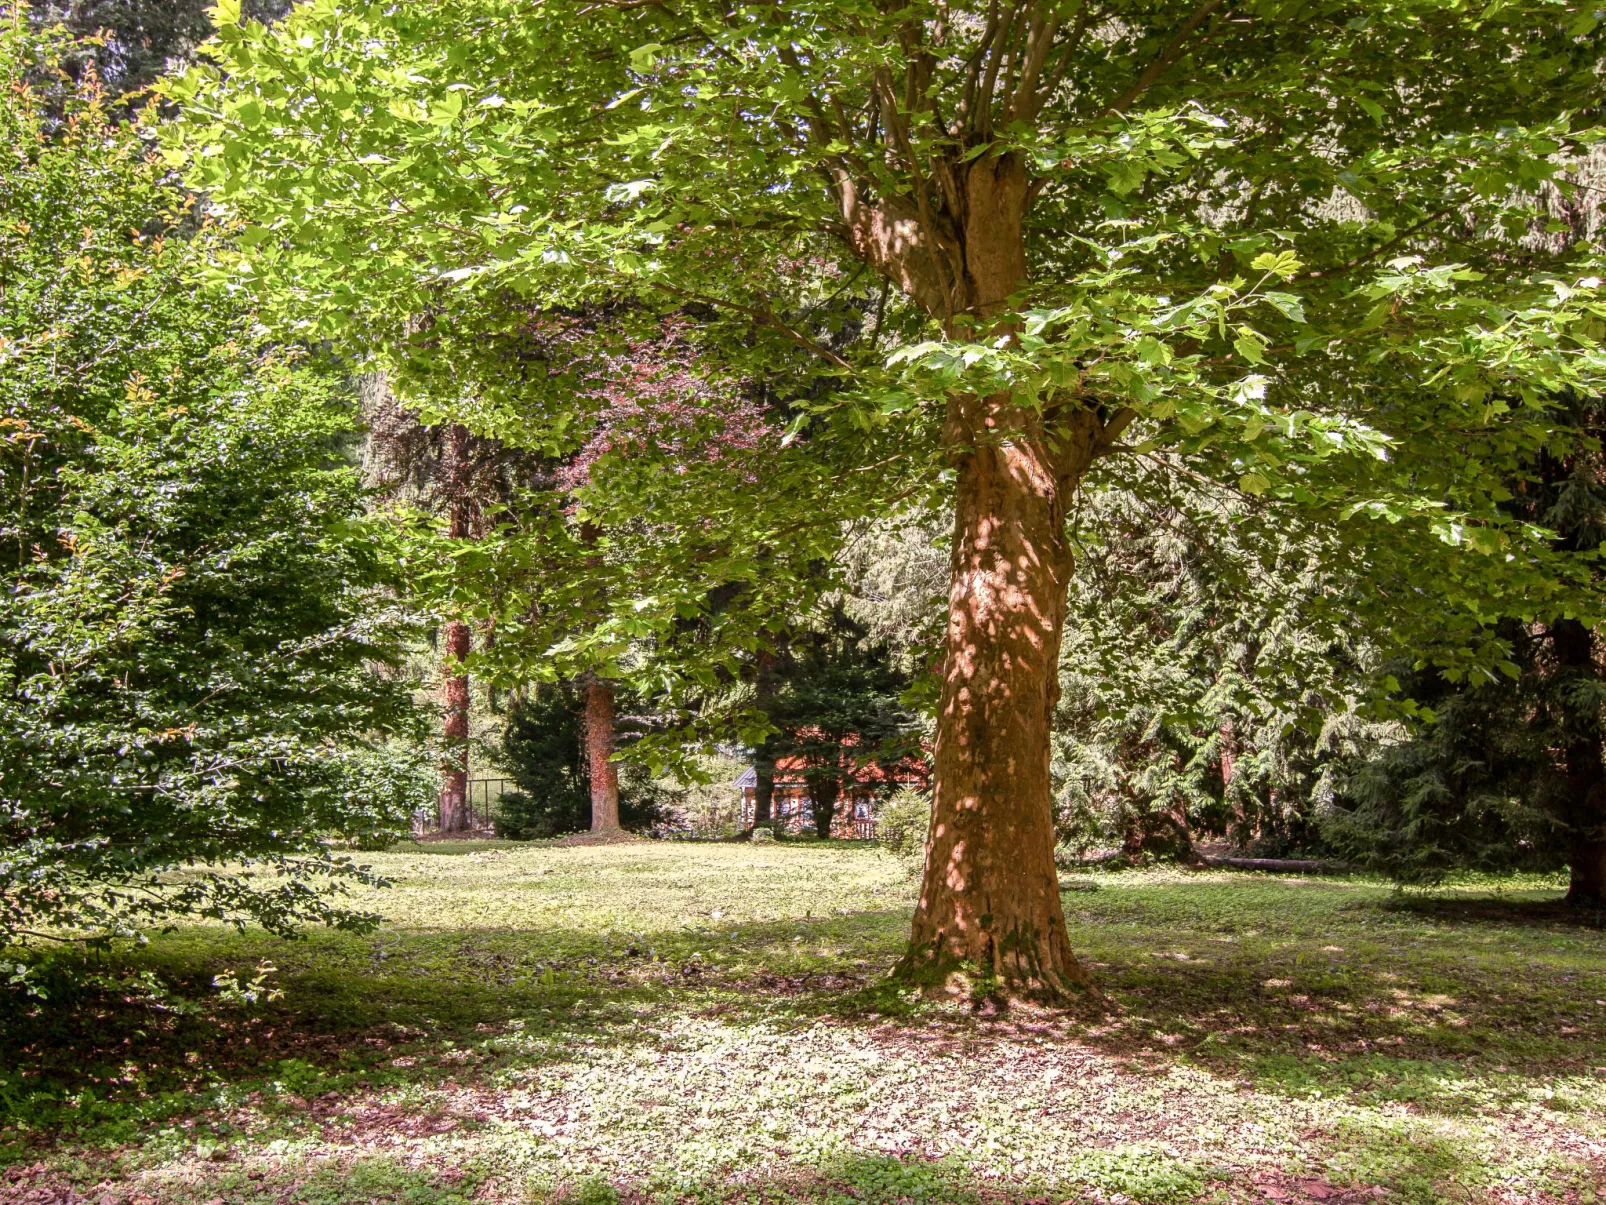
{"x": 824, "y": 792}
{"x": 763, "y": 756}
{"x": 763, "y": 786}
{"x": 1585, "y": 770}
{"x": 454, "y": 785}
{"x": 599, "y": 752}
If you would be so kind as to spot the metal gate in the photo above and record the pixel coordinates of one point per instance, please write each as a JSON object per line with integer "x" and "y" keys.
{"x": 480, "y": 801}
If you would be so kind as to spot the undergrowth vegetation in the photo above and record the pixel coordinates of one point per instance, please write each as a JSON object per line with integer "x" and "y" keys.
{"x": 714, "y": 1022}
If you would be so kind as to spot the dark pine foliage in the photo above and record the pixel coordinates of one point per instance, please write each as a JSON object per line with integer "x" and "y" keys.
{"x": 1508, "y": 775}
{"x": 836, "y": 700}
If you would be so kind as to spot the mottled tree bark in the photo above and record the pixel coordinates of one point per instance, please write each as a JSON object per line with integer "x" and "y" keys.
{"x": 989, "y": 901}
{"x": 599, "y": 754}
{"x": 1585, "y": 770}
{"x": 990, "y": 896}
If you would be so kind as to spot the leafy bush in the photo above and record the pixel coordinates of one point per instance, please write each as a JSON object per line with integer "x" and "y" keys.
{"x": 904, "y": 821}
{"x": 192, "y": 610}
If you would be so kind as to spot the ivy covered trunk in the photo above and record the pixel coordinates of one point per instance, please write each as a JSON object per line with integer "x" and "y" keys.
{"x": 599, "y": 755}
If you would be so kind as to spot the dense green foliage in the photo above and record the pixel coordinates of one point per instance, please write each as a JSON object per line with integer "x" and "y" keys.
{"x": 193, "y": 624}
{"x": 1332, "y": 259}
{"x": 1212, "y": 674}
{"x": 1508, "y": 775}
{"x": 1287, "y": 244}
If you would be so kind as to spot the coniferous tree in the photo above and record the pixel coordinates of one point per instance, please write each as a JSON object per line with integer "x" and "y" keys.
{"x": 1507, "y": 772}
{"x": 835, "y": 699}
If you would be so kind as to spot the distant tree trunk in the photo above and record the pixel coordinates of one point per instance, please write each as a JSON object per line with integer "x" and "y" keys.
{"x": 599, "y": 752}
{"x": 454, "y": 785}
{"x": 824, "y": 791}
{"x": 763, "y": 786}
{"x": 1584, "y": 768}
{"x": 764, "y": 755}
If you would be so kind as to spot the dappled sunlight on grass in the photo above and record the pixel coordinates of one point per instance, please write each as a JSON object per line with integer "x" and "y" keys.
{"x": 715, "y": 1022}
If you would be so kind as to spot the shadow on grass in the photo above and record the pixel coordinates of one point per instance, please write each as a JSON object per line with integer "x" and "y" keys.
{"x": 144, "y": 1037}
{"x": 1138, "y": 1173}
{"x": 1498, "y": 910}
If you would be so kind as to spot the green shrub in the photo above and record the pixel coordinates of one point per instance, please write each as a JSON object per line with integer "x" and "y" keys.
{"x": 196, "y": 652}
{"x": 904, "y": 821}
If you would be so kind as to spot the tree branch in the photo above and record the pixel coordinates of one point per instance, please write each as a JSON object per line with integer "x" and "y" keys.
{"x": 1039, "y": 40}
{"x": 1168, "y": 56}
{"x": 1343, "y": 269}
{"x": 1045, "y": 94}
{"x": 982, "y": 121}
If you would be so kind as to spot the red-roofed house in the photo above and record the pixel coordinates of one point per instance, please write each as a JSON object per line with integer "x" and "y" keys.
{"x": 792, "y": 811}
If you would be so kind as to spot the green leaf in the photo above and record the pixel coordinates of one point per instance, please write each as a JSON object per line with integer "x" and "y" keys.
{"x": 1284, "y": 264}
{"x": 1288, "y": 305}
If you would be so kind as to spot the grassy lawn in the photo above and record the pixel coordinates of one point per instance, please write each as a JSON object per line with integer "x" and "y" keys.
{"x": 712, "y": 1022}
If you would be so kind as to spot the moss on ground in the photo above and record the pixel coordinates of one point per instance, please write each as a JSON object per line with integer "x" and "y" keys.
{"x": 713, "y": 1022}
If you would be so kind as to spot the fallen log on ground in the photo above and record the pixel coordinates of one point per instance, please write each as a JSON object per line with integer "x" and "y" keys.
{"x": 1286, "y": 865}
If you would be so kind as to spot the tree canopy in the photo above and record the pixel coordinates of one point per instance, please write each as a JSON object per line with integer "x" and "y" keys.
{"x": 1332, "y": 255}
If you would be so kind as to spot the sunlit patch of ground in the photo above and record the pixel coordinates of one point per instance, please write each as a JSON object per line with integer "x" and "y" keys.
{"x": 713, "y": 1022}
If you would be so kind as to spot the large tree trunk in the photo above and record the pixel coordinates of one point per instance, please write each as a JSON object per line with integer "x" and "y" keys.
{"x": 599, "y": 753}
{"x": 1585, "y": 769}
{"x": 990, "y": 897}
{"x": 989, "y": 901}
